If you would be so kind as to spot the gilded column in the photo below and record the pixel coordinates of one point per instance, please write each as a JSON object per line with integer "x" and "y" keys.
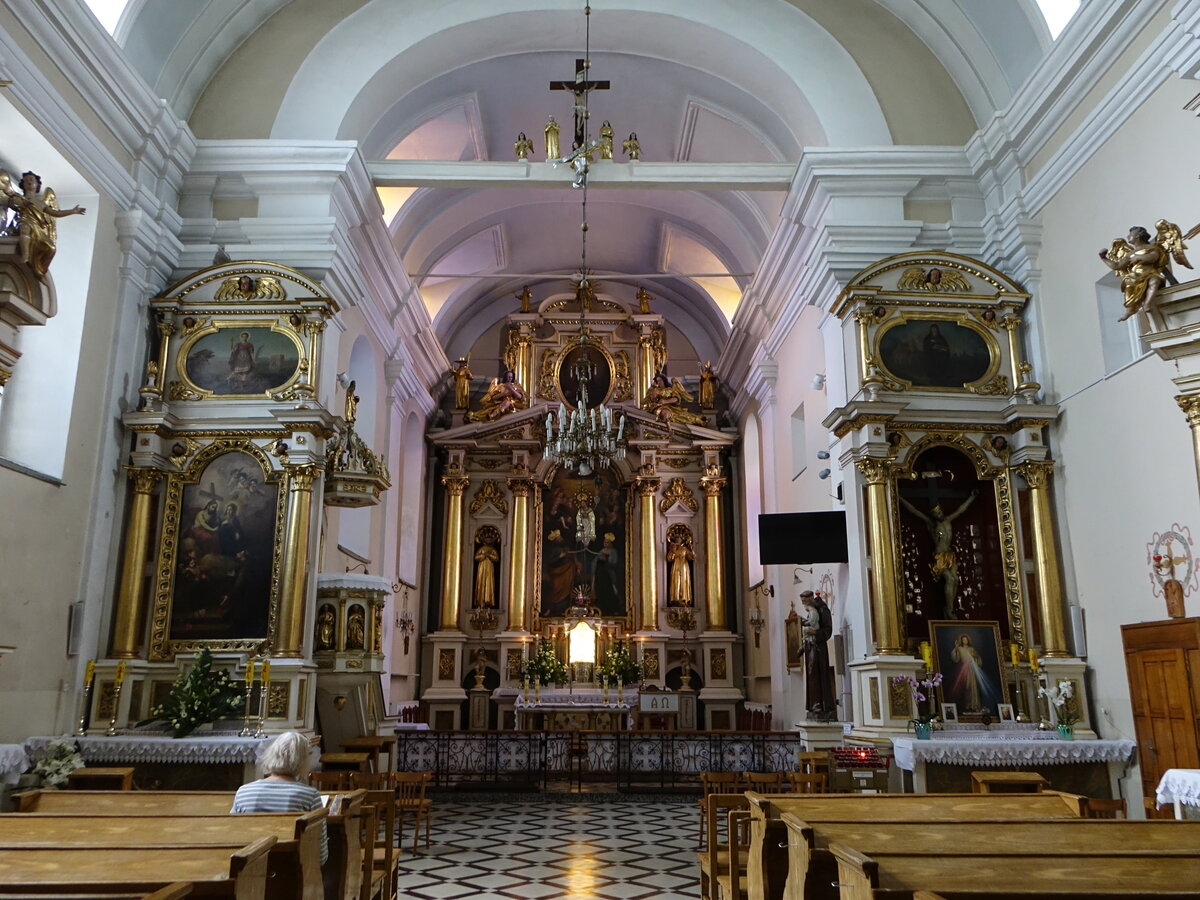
{"x": 456, "y": 483}
{"x": 518, "y": 573}
{"x": 1021, "y": 370}
{"x": 714, "y": 551}
{"x": 525, "y": 363}
{"x": 862, "y": 318}
{"x": 127, "y": 628}
{"x": 1045, "y": 552}
{"x": 1190, "y": 404}
{"x": 647, "y": 488}
{"x": 885, "y": 593}
{"x": 289, "y": 629}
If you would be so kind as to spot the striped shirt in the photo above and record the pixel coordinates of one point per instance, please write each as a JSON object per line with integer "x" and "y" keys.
{"x": 264, "y": 796}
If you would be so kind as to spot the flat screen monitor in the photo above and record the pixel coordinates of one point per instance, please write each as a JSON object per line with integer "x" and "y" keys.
{"x": 798, "y": 538}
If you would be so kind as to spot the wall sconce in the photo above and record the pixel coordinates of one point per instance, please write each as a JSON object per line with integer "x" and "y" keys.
{"x": 757, "y": 621}
{"x": 824, "y": 473}
{"x": 796, "y": 573}
{"x": 822, "y": 454}
{"x": 405, "y": 624}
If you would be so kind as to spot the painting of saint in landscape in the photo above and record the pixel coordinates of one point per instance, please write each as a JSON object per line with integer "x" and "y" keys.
{"x": 249, "y": 360}
{"x": 934, "y": 354}
{"x": 573, "y": 507}
{"x": 224, "y": 553}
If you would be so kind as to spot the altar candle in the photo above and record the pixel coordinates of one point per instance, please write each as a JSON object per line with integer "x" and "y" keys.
{"x": 266, "y": 673}
{"x": 120, "y": 672}
{"x": 621, "y": 429}
{"x": 1033, "y": 660}
{"x": 1016, "y": 654}
{"x": 89, "y": 673}
{"x": 927, "y": 654}
{"x": 249, "y": 674}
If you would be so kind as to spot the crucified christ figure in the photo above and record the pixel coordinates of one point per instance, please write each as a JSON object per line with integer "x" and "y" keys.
{"x": 941, "y": 529}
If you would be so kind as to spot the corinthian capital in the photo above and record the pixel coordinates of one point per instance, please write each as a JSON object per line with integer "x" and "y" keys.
{"x": 456, "y": 484}
{"x": 1036, "y": 473}
{"x": 874, "y": 469}
{"x": 1190, "y": 404}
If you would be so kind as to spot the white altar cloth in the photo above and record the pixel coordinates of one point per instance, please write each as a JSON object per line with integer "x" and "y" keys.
{"x": 1179, "y": 787}
{"x": 13, "y": 761}
{"x": 131, "y": 749}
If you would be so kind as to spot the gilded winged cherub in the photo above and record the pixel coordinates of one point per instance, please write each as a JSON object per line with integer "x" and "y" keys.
{"x": 934, "y": 280}
{"x": 632, "y": 146}
{"x": 37, "y": 233}
{"x": 665, "y": 399}
{"x": 1144, "y": 265}
{"x": 503, "y": 397}
{"x": 522, "y": 145}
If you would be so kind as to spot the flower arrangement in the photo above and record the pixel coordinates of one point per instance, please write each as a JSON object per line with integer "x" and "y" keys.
{"x": 545, "y": 667}
{"x": 619, "y": 665}
{"x": 198, "y": 696}
{"x": 1061, "y": 696}
{"x": 58, "y": 759}
{"x": 923, "y": 690}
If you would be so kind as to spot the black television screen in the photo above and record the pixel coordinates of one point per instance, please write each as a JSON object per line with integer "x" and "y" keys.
{"x": 797, "y": 538}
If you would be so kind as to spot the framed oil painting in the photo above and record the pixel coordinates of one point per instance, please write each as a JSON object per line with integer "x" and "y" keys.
{"x": 968, "y": 656}
{"x": 936, "y": 353}
{"x": 219, "y": 557}
{"x": 599, "y": 383}
{"x": 795, "y": 646}
{"x": 570, "y": 560}
{"x": 241, "y": 360}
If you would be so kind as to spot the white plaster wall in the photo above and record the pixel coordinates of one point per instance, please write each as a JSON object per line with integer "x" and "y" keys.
{"x": 1126, "y": 465}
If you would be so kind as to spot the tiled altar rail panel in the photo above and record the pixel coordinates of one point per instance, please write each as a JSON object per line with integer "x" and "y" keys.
{"x": 628, "y": 758}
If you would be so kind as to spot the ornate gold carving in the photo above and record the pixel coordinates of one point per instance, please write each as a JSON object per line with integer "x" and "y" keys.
{"x": 622, "y": 390}
{"x": 874, "y": 694}
{"x": 179, "y": 391}
{"x": 650, "y": 664}
{"x": 455, "y": 484}
{"x": 678, "y": 462}
{"x": 277, "y": 699}
{"x": 1036, "y": 473}
{"x": 874, "y": 469}
{"x": 717, "y": 664}
{"x": 5, "y": 374}
{"x": 997, "y": 386}
{"x": 946, "y": 438}
{"x": 647, "y": 486}
{"x": 301, "y": 478}
{"x": 520, "y": 486}
{"x": 490, "y": 464}
{"x": 899, "y": 700}
{"x": 489, "y": 493}
{"x": 513, "y": 664}
{"x": 547, "y": 387}
{"x": 1010, "y": 557}
{"x": 935, "y": 280}
{"x": 106, "y": 701}
{"x": 678, "y": 492}
{"x": 1190, "y": 404}
{"x": 713, "y": 485}
{"x": 445, "y": 664}
{"x": 144, "y": 480}
{"x": 246, "y": 287}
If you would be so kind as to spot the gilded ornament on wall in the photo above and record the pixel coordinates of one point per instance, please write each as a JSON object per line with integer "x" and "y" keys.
{"x": 277, "y": 699}
{"x": 246, "y": 287}
{"x": 650, "y": 664}
{"x": 678, "y": 492}
{"x": 717, "y": 664}
{"x": 445, "y": 664}
{"x": 1144, "y": 265}
{"x": 935, "y": 280}
{"x": 490, "y": 493}
{"x": 899, "y": 699}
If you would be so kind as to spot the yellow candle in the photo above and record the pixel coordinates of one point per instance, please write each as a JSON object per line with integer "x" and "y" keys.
{"x": 1033, "y": 660}
{"x": 120, "y": 672}
{"x": 250, "y": 674}
{"x": 89, "y": 673}
{"x": 266, "y": 672}
{"x": 927, "y": 654}
{"x": 1016, "y": 654}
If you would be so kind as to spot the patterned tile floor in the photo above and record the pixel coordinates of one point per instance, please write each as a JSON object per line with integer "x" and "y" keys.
{"x": 544, "y": 848}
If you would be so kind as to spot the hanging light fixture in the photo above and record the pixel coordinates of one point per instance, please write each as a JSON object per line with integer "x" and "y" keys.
{"x": 586, "y": 438}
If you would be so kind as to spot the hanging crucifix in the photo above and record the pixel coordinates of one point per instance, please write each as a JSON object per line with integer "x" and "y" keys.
{"x": 580, "y": 88}
{"x": 941, "y": 529}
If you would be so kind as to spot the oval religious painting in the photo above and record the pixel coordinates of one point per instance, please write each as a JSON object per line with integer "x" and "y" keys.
{"x": 249, "y": 360}
{"x": 593, "y": 365}
{"x": 940, "y": 354}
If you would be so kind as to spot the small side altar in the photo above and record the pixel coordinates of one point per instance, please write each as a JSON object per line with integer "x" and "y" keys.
{"x": 579, "y": 709}
{"x": 943, "y": 764}
{"x": 214, "y": 761}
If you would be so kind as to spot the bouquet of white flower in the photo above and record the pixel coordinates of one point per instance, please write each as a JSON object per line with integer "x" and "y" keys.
{"x": 56, "y": 761}
{"x": 1061, "y": 696}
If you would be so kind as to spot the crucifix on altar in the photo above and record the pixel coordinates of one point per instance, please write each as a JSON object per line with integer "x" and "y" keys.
{"x": 580, "y": 88}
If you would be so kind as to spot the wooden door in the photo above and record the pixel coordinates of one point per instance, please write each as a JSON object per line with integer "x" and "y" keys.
{"x": 1162, "y": 661}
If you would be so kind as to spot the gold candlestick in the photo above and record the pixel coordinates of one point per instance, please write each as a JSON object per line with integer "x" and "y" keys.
{"x": 88, "y": 680}
{"x": 264, "y": 697}
{"x": 118, "y": 683}
{"x": 247, "y": 731}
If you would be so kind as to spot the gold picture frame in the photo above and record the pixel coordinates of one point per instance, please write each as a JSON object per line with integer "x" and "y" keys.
{"x": 198, "y": 368}
{"x": 946, "y": 361}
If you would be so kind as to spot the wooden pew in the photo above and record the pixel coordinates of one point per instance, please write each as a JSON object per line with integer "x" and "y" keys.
{"x": 213, "y": 871}
{"x": 768, "y": 863}
{"x": 294, "y": 864}
{"x": 715, "y": 858}
{"x": 892, "y": 876}
{"x": 175, "y": 891}
{"x": 1007, "y": 895}
{"x": 815, "y": 868}
{"x": 142, "y": 803}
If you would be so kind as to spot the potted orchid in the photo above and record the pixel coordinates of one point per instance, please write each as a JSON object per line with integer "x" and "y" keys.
{"x": 924, "y": 696}
{"x": 1066, "y": 712}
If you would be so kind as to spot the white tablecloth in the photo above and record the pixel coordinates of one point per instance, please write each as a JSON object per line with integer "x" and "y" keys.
{"x": 1179, "y": 786}
{"x": 130, "y": 749}
{"x": 997, "y": 751}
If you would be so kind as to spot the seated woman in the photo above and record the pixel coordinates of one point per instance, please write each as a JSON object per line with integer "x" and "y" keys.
{"x": 284, "y": 763}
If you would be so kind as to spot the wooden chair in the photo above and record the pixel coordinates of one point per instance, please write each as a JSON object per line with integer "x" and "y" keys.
{"x": 715, "y": 783}
{"x": 411, "y": 800}
{"x": 1100, "y": 808}
{"x": 354, "y": 762}
{"x": 765, "y": 782}
{"x": 715, "y": 860}
{"x": 733, "y": 884}
{"x": 808, "y": 782}
{"x": 381, "y": 793}
{"x": 813, "y": 761}
{"x": 337, "y": 780}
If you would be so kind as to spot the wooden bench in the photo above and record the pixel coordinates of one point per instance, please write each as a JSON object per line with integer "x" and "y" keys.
{"x": 768, "y": 864}
{"x": 294, "y": 866}
{"x": 815, "y": 869}
{"x": 891, "y": 876}
{"x": 715, "y": 858}
{"x": 992, "y": 782}
{"x": 353, "y": 762}
{"x": 142, "y": 803}
{"x": 176, "y": 891}
{"x": 213, "y": 871}
{"x": 374, "y": 745}
{"x": 98, "y": 778}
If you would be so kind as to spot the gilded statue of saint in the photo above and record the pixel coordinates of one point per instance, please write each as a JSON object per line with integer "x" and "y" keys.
{"x": 708, "y": 386}
{"x": 503, "y": 397}
{"x": 631, "y": 146}
{"x": 486, "y": 558}
{"x": 522, "y": 145}
{"x": 351, "y": 403}
{"x": 356, "y": 634}
{"x": 325, "y": 627}
{"x": 606, "y": 141}
{"x": 945, "y": 563}
{"x": 679, "y": 558}
{"x": 37, "y": 233}
{"x": 643, "y": 299}
{"x": 462, "y": 384}
{"x": 1144, "y": 265}
{"x": 665, "y": 399}
{"x": 526, "y": 297}
{"x": 551, "y": 139}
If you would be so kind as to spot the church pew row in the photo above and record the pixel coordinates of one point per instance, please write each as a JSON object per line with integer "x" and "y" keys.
{"x": 768, "y": 863}
{"x": 214, "y": 872}
{"x": 898, "y": 876}
{"x": 175, "y": 891}
{"x": 813, "y": 868}
{"x": 294, "y": 864}
{"x": 1086, "y": 895}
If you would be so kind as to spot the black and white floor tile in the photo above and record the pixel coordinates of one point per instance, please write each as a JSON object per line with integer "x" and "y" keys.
{"x": 544, "y": 848}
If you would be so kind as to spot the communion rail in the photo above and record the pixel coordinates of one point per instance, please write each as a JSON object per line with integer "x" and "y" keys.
{"x": 633, "y": 760}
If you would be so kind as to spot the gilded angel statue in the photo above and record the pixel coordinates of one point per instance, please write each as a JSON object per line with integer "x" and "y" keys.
{"x": 36, "y": 210}
{"x": 1144, "y": 265}
{"x": 666, "y": 400}
{"x": 244, "y": 287}
{"x": 934, "y": 280}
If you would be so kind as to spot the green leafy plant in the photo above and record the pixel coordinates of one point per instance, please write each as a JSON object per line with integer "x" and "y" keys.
{"x": 55, "y": 761}
{"x": 544, "y": 667}
{"x": 198, "y": 696}
{"x": 619, "y": 665}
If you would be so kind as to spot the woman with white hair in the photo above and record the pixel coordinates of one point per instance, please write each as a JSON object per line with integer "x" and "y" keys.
{"x": 283, "y": 764}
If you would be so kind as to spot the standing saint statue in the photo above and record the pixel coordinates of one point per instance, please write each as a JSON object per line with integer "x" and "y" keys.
{"x": 945, "y": 564}
{"x": 708, "y": 386}
{"x": 486, "y": 558}
{"x": 816, "y": 629}
{"x": 356, "y": 629}
{"x": 606, "y": 141}
{"x": 526, "y": 297}
{"x": 551, "y": 139}
{"x": 643, "y": 299}
{"x": 351, "y": 403}
{"x": 679, "y": 558}
{"x": 462, "y": 383}
{"x": 37, "y": 233}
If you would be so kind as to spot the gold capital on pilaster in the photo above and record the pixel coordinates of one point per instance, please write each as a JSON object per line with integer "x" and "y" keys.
{"x": 144, "y": 480}
{"x": 520, "y": 485}
{"x": 875, "y": 470}
{"x": 1010, "y": 322}
{"x": 1190, "y": 404}
{"x": 647, "y": 487}
{"x": 1036, "y": 473}
{"x": 456, "y": 484}
{"x": 712, "y": 486}
{"x": 301, "y": 478}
